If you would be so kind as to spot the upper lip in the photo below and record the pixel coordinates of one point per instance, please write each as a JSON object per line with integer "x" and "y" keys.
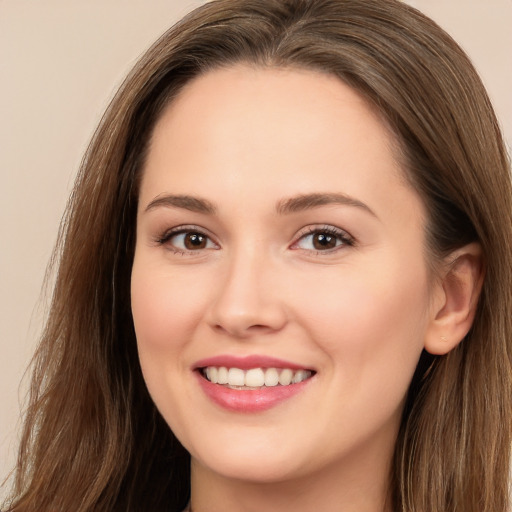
{"x": 248, "y": 362}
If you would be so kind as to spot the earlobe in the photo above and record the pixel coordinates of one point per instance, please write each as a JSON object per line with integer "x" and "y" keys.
{"x": 456, "y": 299}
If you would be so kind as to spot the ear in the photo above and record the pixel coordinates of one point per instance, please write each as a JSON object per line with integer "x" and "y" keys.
{"x": 455, "y": 299}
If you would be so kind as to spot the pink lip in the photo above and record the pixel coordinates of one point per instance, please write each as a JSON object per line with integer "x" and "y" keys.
{"x": 251, "y": 400}
{"x": 247, "y": 362}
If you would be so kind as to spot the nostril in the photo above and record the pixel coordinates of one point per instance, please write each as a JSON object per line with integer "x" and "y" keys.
{"x": 259, "y": 327}
{"x": 233, "y": 315}
{"x": 240, "y": 331}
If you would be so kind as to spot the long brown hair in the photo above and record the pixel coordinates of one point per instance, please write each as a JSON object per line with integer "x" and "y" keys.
{"x": 94, "y": 441}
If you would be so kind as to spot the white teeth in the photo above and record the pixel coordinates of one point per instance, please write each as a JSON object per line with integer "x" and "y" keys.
{"x": 271, "y": 377}
{"x": 255, "y": 377}
{"x": 211, "y": 374}
{"x": 285, "y": 377}
{"x": 299, "y": 376}
{"x": 236, "y": 377}
{"x": 222, "y": 375}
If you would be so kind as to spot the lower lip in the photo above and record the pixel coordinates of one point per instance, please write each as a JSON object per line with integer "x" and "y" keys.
{"x": 251, "y": 400}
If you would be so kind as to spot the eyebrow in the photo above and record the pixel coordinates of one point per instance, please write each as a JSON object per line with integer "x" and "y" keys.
{"x": 286, "y": 206}
{"x": 193, "y": 204}
{"x": 308, "y": 201}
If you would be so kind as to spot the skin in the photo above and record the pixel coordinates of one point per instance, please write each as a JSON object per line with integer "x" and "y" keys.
{"x": 248, "y": 139}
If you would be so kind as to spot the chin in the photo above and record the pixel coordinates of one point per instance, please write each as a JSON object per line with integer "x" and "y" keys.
{"x": 251, "y": 458}
{"x": 263, "y": 470}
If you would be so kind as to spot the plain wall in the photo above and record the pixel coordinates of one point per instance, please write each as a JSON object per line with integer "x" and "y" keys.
{"x": 60, "y": 62}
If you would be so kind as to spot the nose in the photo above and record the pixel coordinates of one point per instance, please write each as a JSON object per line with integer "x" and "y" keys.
{"x": 247, "y": 301}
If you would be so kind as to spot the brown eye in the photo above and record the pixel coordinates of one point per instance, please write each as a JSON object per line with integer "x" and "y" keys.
{"x": 323, "y": 241}
{"x": 328, "y": 239}
{"x": 185, "y": 241}
{"x": 194, "y": 241}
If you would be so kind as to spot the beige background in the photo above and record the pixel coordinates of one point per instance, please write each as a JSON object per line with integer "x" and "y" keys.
{"x": 60, "y": 61}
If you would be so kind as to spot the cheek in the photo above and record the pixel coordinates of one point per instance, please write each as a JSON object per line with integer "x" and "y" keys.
{"x": 165, "y": 313}
{"x": 372, "y": 330}
{"x": 165, "y": 310}
{"x": 370, "y": 322}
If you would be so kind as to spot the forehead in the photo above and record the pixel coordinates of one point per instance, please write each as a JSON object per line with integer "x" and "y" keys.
{"x": 285, "y": 99}
{"x": 274, "y": 131}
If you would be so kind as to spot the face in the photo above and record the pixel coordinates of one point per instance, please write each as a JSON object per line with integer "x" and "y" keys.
{"x": 280, "y": 290}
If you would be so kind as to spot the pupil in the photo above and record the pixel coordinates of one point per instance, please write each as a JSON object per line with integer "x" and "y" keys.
{"x": 195, "y": 241}
{"x": 324, "y": 241}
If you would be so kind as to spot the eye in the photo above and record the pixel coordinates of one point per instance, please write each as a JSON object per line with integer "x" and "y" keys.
{"x": 325, "y": 239}
{"x": 184, "y": 240}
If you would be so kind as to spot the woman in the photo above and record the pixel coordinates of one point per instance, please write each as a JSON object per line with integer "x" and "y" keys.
{"x": 284, "y": 277}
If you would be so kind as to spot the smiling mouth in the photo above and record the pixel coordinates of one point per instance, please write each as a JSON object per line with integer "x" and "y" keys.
{"x": 254, "y": 378}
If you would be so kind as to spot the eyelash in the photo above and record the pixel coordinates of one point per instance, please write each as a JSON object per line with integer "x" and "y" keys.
{"x": 343, "y": 239}
{"x": 183, "y": 230}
